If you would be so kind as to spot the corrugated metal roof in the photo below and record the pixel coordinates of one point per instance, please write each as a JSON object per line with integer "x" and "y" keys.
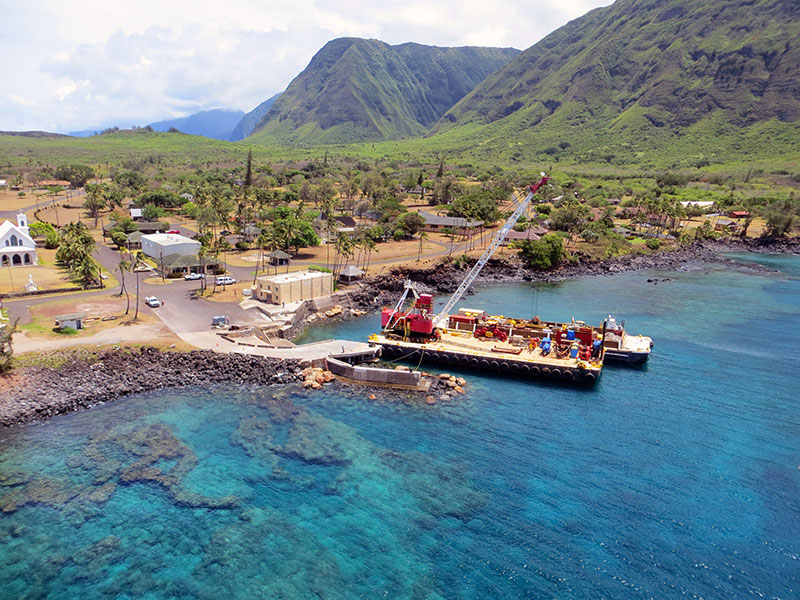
{"x": 447, "y": 221}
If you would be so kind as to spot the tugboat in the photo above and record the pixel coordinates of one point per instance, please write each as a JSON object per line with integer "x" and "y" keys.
{"x": 620, "y": 346}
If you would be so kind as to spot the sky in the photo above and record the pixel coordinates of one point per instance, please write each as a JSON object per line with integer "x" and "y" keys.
{"x": 70, "y": 65}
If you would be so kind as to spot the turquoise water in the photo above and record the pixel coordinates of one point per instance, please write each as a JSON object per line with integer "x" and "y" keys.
{"x": 676, "y": 480}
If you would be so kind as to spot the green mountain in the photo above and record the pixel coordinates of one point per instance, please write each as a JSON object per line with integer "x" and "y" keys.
{"x": 248, "y": 123}
{"x": 362, "y": 90}
{"x": 695, "y": 77}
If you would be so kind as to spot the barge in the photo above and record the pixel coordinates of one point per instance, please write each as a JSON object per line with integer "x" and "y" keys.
{"x": 472, "y": 340}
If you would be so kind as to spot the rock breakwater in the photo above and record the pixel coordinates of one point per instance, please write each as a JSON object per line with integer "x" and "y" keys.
{"x": 84, "y": 380}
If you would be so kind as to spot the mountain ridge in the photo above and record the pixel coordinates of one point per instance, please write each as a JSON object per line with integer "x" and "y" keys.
{"x": 355, "y": 89}
{"x": 250, "y": 120}
{"x": 217, "y": 123}
{"x": 640, "y": 68}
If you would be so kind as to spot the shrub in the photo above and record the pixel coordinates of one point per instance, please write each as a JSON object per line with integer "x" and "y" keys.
{"x": 589, "y": 236}
{"x": 543, "y": 253}
{"x": 51, "y": 240}
{"x": 653, "y": 244}
{"x": 119, "y": 239}
{"x": 320, "y": 269}
{"x": 65, "y": 330}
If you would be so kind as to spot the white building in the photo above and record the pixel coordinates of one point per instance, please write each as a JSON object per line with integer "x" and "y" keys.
{"x": 16, "y": 245}
{"x": 159, "y": 245}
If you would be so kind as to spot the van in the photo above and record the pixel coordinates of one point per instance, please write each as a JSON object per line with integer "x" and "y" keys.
{"x": 225, "y": 280}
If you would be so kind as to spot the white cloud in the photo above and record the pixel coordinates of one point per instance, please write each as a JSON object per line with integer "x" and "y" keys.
{"x": 85, "y": 63}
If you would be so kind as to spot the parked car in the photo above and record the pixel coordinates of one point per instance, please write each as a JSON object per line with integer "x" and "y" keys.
{"x": 173, "y": 231}
{"x": 225, "y": 280}
{"x": 220, "y": 321}
{"x": 152, "y": 302}
{"x": 189, "y": 276}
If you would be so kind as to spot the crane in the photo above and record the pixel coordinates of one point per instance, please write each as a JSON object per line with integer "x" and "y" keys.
{"x": 498, "y": 239}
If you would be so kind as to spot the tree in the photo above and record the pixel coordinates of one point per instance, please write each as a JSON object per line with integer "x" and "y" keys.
{"x": 76, "y": 243}
{"x": 131, "y": 180}
{"x": 6, "y": 345}
{"x": 137, "y": 261}
{"x": 544, "y": 253}
{"x": 119, "y": 239}
{"x": 77, "y": 175}
{"x": 411, "y": 223}
{"x": 451, "y": 233}
{"x": 123, "y": 267}
{"x": 422, "y": 236}
{"x": 162, "y": 198}
{"x": 41, "y": 229}
{"x": 778, "y": 222}
{"x": 153, "y": 213}
{"x": 479, "y": 206}
{"x": 570, "y": 216}
{"x": 114, "y": 196}
{"x": 95, "y": 200}
{"x": 88, "y": 271}
{"x": 295, "y": 233}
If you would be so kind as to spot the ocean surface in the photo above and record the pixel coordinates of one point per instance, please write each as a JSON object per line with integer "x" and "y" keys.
{"x": 677, "y": 480}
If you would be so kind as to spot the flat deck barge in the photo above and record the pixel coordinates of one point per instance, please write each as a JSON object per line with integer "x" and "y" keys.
{"x": 461, "y": 348}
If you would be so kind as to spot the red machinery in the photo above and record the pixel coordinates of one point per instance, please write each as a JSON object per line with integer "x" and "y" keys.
{"x": 417, "y": 321}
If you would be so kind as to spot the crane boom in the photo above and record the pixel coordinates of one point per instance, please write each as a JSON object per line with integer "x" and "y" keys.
{"x": 498, "y": 239}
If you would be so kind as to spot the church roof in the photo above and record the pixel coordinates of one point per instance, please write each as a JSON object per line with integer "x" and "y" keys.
{"x": 8, "y": 227}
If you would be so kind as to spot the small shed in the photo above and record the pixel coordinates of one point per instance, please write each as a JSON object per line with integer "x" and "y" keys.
{"x": 135, "y": 240}
{"x": 73, "y": 320}
{"x": 351, "y": 273}
{"x": 723, "y": 223}
{"x": 278, "y": 258}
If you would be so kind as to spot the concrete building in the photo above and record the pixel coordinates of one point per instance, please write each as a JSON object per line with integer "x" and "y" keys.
{"x": 294, "y": 287}
{"x": 160, "y": 245}
{"x": 16, "y": 245}
{"x": 73, "y": 320}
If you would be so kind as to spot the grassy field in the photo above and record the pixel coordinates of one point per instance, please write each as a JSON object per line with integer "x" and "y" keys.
{"x": 725, "y": 149}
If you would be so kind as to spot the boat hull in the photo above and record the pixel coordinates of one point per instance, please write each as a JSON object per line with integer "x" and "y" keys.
{"x": 505, "y": 365}
{"x": 622, "y": 356}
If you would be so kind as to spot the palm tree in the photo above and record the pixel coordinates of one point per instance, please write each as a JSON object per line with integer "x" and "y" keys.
{"x": 138, "y": 260}
{"x": 88, "y": 271}
{"x": 124, "y": 266}
{"x": 261, "y": 241}
{"x": 451, "y": 233}
{"x": 422, "y": 236}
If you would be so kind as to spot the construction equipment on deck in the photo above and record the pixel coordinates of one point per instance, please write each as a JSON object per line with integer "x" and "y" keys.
{"x": 498, "y": 239}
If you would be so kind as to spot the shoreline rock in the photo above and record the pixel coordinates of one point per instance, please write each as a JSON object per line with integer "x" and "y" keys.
{"x": 444, "y": 278}
{"x": 86, "y": 380}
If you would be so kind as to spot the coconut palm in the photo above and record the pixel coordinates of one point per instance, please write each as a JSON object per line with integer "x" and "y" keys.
{"x": 123, "y": 267}
{"x": 422, "y": 236}
{"x": 88, "y": 271}
{"x": 138, "y": 260}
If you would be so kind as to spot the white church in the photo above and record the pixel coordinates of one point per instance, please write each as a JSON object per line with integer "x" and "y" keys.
{"x": 16, "y": 245}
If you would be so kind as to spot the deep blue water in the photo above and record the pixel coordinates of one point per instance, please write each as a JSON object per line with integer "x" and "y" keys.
{"x": 680, "y": 479}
